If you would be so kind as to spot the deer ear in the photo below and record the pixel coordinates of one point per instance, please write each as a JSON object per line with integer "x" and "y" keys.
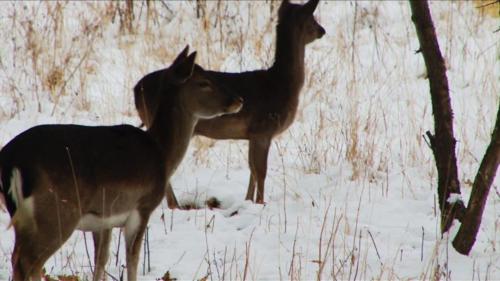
{"x": 310, "y": 6}
{"x": 282, "y": 8}
{"x": 183, "y": 71}
{"x": 181, "y": 56}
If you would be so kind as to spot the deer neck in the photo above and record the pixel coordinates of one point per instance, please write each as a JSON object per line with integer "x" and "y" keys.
{"x": 172, "y": 130}
{"x": 289, "y": 58}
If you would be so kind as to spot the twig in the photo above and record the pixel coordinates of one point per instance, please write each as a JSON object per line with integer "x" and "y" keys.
{"x": 87, "y": 252}
{"x": 321, "y": 259}
{"x": 147, "y": 256}
{"x": 216, "y": 265}
{"x": 224, "y": 264}
{"x": 375, "y": 245}
{"x": 112, "y": 277}
{"x": 431, "y": 139}
{"x": 292, "y": 263}
{"x": 56, "y": 102}
{"x": 78, "y": 201}
{"x": 422, "y": 245}
{"x": 247, "y": 255}
{"x": 118, "y": 247}
{"x": 487, "y": 4}
{"x": 359, "y": 256}
{"x": 206, "y": 244}
{"x": 172, "y": 220}
{"x": 427, "y": 141}
{"x": 356, "y": 229}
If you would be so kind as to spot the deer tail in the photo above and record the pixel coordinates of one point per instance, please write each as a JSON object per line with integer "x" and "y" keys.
{"x": 3, "y": 204}
{"x": 20, "y": 208}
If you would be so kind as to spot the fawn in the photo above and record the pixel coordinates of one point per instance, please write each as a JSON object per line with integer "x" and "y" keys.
{"x": 59, "y": 178}
{"x": 271, "y": 96}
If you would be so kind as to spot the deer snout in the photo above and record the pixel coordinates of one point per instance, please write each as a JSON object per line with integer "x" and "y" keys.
{"x": 321, "y": 31}
{"x": 235, "y": 105}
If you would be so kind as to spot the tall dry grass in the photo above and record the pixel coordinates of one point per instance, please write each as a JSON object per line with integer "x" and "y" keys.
{"x": 364, "y": 105}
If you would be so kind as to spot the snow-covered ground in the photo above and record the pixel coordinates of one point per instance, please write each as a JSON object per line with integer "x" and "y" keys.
{"x": 351, "y": 186}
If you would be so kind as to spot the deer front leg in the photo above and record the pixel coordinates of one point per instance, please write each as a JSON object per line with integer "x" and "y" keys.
{"x": 251, "y": 186}
{"x": 101, "y": 252}
{"x": 134, "y": 232}
{"x": 171, "y": 200}
{"x": 257, "y": 159}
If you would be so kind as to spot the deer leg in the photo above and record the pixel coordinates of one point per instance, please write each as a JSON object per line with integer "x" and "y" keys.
{"x": 101, "y": 248}
{"x": 171, "y": 200}
{"x": 134, "y": 232}
{"x": 257, "y": 158}
{"x": 33, "y": 249}
{"x": 251, "y": 182}
{"x": 251, "y": 187}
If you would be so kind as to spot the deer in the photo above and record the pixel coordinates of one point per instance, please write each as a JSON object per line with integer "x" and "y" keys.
{"x": 271, "y": 95}
{"x": 56, "y": 179}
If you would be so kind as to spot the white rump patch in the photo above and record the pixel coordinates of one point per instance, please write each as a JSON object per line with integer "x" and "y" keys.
{"x": 2, "y": 197}
{"x": 25, "y": 206}
{"x": 16, "y": 187}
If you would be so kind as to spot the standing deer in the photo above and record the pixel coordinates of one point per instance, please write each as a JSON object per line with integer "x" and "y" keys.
{"x": 58, "y": 178}
{"x": 271, "y": 96}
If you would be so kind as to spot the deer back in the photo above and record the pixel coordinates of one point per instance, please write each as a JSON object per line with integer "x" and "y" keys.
{"x": 113, "y": 166}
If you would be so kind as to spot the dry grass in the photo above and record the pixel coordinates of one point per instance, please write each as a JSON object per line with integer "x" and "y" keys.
{"x": 54, "y": 65}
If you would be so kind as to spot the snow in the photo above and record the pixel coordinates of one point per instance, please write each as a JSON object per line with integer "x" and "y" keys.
{"x": 351, "y": 186}
{"x": 454, "y": 198}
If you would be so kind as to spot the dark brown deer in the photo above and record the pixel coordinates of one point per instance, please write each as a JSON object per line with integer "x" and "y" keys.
{"x": 58, "y": 178}
{"x": 271, "y": 96}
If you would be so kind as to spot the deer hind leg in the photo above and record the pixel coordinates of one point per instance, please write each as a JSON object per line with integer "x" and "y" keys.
{"x": 251, "y": 185}
{"x": 33, "y": 248}
{"x": 257, "y": 160}
{"x": 22, "y": 267}
{"x": 134, "y": 232}
{"x": 101, "y": 248}
{"x": 171, "y": 200}
{"x": 40, "y": 230}
{"x": 27, "y": 263}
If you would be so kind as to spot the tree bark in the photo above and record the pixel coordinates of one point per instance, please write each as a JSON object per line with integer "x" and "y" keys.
{"x": 443, "y": 142}
{"x": 466, "y": 235}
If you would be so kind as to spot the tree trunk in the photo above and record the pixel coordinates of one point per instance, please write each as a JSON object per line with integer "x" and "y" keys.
{"x": 443, "y": 142}
{"x": 466, "y": 235}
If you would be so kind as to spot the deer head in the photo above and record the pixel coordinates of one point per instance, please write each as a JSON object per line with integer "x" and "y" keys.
{"x": 299, "y": 20}
{"x": 183, "y": 77}
{"x": 209, "y": 98}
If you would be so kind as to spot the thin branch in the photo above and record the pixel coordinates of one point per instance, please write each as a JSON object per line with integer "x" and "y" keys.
{"x": 467, "y": 233}
{"x": 487, "y": 4}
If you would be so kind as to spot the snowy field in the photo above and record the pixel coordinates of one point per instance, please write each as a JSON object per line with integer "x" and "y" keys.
{"x": 351, "y": 186}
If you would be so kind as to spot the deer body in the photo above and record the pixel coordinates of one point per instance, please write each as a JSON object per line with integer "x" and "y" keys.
{"x": 79, "y": 177}
{"x": 58, "y": 178}
{"x": 271, "y": 96}
{"x": 271, "y": 104}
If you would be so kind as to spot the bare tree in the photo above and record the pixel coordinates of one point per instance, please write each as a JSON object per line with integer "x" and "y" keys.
{"x": 443, "y": 142}
{"x": 466, "y": 235}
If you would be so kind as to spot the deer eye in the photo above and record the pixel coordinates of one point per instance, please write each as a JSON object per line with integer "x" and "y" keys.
{"x": 204, "y": 84}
